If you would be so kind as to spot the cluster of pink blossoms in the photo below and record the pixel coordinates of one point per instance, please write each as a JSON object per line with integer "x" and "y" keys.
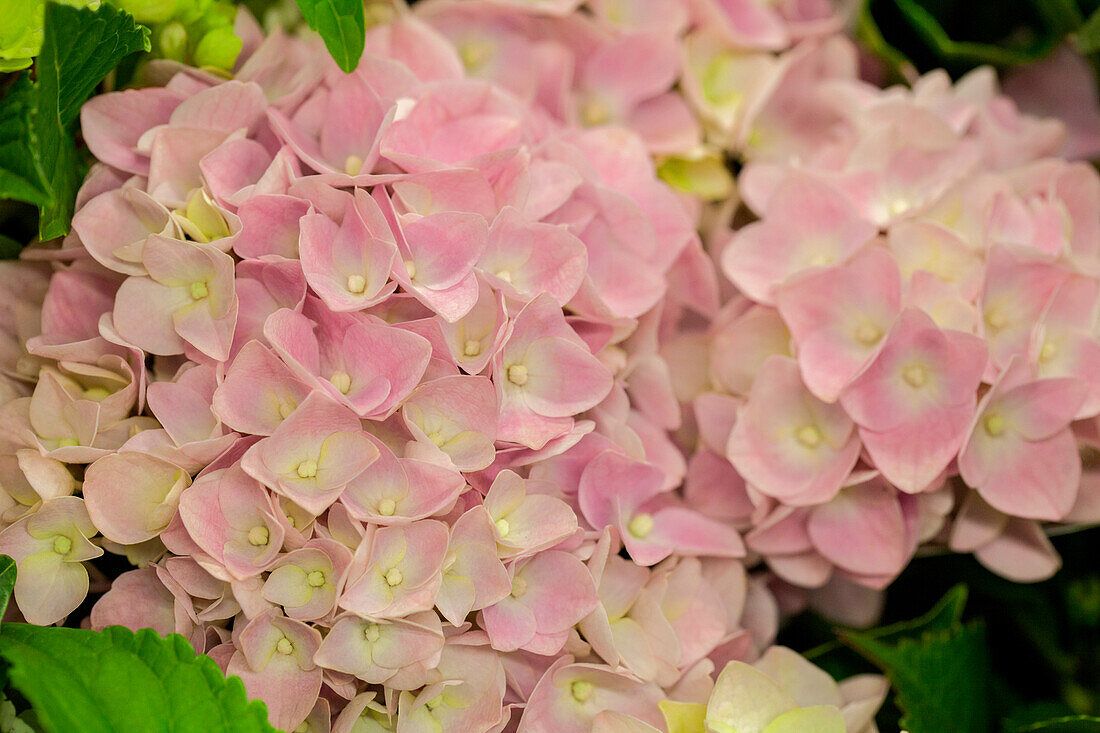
{"x": 418, "y": 400}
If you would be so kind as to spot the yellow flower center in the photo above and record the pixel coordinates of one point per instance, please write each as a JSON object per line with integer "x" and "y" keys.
{"x": 353, "y": 165}
{"x": 1049, "y": 351}
{"x": 474, "y": 55}
{"x": 356, "y": 283}
{"x": 996, "y": 319}
{"x": 199, "y": 290}
{"x": 67, "y": 442}
{"x": 809, "y": 436}
{"x": 307, "y": 468}
{"x": 285, "y": 408}
{"x": 371, "y": 633}
{"x": 995, "y": 425}
{"x": 504, "y": 275}
{"x": 394, "y": 577}
{"x": 342, "y": 381}
{"x": 471, "y": 348}
{"x": 410, "y": 268}
{"x": 595, "y": 112}
{"x": 640, "y": 525}
{"x": 517, "y": 374}
{"x": 502, "y": 527}
{"x": 519, "y": 587}
{"x": 258, "y": 536}
{"x": 915, "y": 375}
{"x": 316, "y": 579}
{"x": 284, "y": 646}
{"x": 868, "y": 333}
{"x": 581, "y": 690}
{"x": 62, "y": 545}
{"x": 387, "y": 507}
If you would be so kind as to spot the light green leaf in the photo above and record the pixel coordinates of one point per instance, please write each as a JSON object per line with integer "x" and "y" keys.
{"x": 118, "y": 680}
{"x": 342, "y": 25}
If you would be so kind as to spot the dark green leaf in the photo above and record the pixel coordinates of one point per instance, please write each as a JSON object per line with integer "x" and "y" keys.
{"x": 118, "y": 680}
{"x": 7, "y": 581}
{"x": 946, "y": 614}
{"x": 941, "y": 678}
{"x": 1067, "y": 724}
{"x": 342, "y": 25}
{"x": 79, "y": 48}
{"x": 1088, "y": 35}
{"x": 21, "y": 176}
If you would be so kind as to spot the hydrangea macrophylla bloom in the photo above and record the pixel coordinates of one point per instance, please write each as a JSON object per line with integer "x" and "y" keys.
{"x": 807, "y": 224}
{"x": 550, "y": 593}
{"x": 275, "y": 662}
{"x": 131, "y": 497}
{"x": 621, "y": 492}
{"x": 524, "y": 259}
{"x": 337, "y": 129}
{"x": 48, "y": 547}
{"x": 402, "y": 573}
{"x": 473, "y": 575}
{"x": 783, "y": 692}
{"x": 473, "y": 339}
{"x": 306, "y": 581}
{"x": 1062, "y": 344}
{"x": 628, "y": 626}
{"x": 570, "y": 695}
{"x": 312, "y": 455}
{"x": 915, "y": 401}
{"x": 377, "y": 651}
{"x": 187, "y": 298}
{"x": 115, "y": 226}
{"x": 354, "y": 361}
{"x": 458, "y": 416}
{"x": 258, "y": 391}
{"x": 348, "y": 265}
{"x": 838, "y": 318}
{"x": 525, "y": 520}
{"x": 545, "y": 374}
{"x": 469, "y": 342}
{"x": 396, "y": 490}
{"x": 467, "y": 695}
{"x": 1021, "y": 454}
{"x": 787, "y": 443}
{"x": 229, "y": 517}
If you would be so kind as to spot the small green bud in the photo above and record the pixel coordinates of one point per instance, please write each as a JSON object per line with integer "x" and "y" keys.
{"x": 148, "y": 11}
{"x": 219, "y": 48}
{"x": 172, "y": 41}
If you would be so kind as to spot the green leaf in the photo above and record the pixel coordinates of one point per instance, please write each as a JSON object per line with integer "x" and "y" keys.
{"x": 21, "y": 174}
{"x": 7, "y": 581}
{"x": 1067, "y": 724}
{"x": 945, "y": 615}
{"x": 342, "y": 25}
{"x": 79, "y": 49}
{"x": 38, "y": 161}
{"x": 118, "y": 680}
{"x": 1088, "y": 35}
{"x": 941, "y": 677}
